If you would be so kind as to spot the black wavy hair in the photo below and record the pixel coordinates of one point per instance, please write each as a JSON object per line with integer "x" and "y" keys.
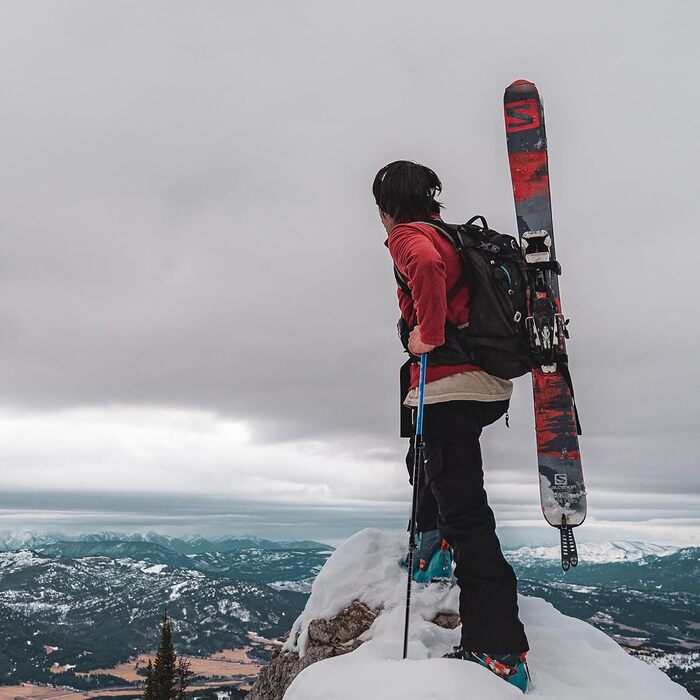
{"x": 406, "y": 191}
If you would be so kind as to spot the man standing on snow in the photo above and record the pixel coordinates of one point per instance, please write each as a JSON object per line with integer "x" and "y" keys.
{"x": 460, "y": 400}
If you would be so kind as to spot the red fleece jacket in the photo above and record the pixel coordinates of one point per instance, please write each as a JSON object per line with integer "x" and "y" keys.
{"x": 432, "y": 268}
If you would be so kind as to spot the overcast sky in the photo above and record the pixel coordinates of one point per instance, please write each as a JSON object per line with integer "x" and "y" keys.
{"x": 194, "y": 294}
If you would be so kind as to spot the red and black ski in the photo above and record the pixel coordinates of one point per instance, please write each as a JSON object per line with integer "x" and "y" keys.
{"x": 562, "y": 491}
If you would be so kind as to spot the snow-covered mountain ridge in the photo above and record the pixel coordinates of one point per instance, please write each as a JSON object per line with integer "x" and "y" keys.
{"x": 597, "y": 552}
{"x": 568, "y": 658}
{"x": 29, "y": 539}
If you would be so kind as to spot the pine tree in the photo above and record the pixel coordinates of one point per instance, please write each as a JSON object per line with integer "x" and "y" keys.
{"x": 163, "y": 676}
{"x": 150, "y": 692}
{"x": 183, "y": 676}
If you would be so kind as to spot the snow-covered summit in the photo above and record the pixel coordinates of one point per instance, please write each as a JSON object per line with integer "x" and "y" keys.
{"x": 597, "y": 552}
{"x": 568, "y": 658}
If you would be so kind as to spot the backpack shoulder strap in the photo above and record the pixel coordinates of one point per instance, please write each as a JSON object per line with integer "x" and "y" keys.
{"x": 461, "y": 235}
{"x": 443, "y": 230}
{"x": 401, "y": 281}
{"x": 448, "y": 231}
{"x": 451, "y": 233}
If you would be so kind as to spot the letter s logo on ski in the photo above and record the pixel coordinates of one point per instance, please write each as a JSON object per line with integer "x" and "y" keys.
{"x": 522, "y": 115}
{"x": 560, "y": 480}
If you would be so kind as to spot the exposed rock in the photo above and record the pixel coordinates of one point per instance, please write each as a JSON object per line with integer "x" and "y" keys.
{"x": 327, "y": 638}
{"x": 449, "y": 621}
{"x": 346, "y": 626}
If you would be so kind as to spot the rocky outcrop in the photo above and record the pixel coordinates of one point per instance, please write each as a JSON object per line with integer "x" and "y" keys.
{"x": 327, "y": 638}
{"x": 449, "y": 621}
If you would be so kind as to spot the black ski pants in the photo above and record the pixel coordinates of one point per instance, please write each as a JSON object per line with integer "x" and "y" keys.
{"x": 452, "y": 499}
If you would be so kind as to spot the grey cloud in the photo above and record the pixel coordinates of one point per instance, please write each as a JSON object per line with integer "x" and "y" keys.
{"x": 185, "y": 217}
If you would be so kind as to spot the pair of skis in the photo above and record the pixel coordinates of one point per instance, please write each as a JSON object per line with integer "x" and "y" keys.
{"x": 562, "y": 490}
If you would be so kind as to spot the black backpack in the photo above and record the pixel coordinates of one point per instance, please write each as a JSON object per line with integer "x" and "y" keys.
{"x": 496, "y": 337}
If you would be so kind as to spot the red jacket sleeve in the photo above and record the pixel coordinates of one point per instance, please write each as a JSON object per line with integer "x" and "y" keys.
{"x": 420, "y": 263}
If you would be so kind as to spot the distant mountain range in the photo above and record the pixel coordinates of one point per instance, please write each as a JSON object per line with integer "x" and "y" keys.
{"x": 10, "y": 541}
{"x": 597, "y": 552}
{"x": 96, "y": 599}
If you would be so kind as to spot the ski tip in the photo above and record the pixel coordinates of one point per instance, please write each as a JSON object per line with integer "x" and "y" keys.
{"x": 522, "y": 86}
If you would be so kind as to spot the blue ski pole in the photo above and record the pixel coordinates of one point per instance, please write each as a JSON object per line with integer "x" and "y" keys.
{"x": 417, "y": 468}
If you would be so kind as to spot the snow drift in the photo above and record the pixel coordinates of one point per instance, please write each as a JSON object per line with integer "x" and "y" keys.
{"x": 568, "y": 658}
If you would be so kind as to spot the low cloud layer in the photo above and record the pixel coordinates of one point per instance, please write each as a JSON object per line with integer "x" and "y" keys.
{"x": 189, "y": 471}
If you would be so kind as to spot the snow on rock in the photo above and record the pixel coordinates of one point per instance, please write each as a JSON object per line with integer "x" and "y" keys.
{"x": 177, "y": 589}
{"x": 155, "y": 569}
{"x": 302, "y": 586}
{"x": 687, "y": 661}
{"x": 365, "y": 568}
{"x": 568, "y": 658}
{"x": 19, "y": 559}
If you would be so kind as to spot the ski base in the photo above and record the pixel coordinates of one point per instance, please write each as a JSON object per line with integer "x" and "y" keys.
{"x": 562, "y": 490}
